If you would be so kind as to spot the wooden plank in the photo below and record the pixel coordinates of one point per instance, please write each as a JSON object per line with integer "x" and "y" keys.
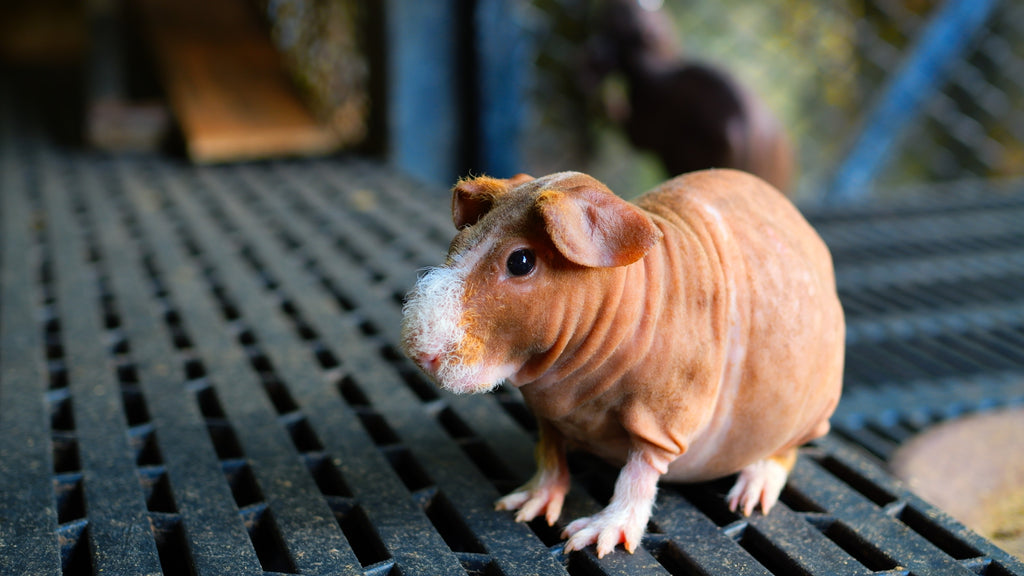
{"x": 226, "y": 84}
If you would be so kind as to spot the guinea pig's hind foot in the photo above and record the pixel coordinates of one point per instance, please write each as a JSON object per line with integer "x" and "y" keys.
{"x": 761, "y": 483}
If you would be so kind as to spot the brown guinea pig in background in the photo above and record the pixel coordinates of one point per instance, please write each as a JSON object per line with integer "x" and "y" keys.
{"x": 691, "y": 114}
{"x": 690, "y": 336}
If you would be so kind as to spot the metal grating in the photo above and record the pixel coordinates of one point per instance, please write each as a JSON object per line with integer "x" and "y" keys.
{"x": 199, "y": 375}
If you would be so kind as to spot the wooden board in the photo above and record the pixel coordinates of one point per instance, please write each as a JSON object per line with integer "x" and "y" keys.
{"x": 226, "y": 85}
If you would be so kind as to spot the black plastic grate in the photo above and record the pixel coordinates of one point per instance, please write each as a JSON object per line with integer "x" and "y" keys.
{"x": 934, "y": 296}
{"x": 199, "y": 375}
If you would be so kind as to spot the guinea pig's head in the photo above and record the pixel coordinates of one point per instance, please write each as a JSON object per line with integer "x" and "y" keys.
{"x": 528, "y": 254}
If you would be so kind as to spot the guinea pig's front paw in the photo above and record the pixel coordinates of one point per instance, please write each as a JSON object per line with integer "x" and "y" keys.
{"x": 544, "y": 494}
{"x": 607, "y": 529}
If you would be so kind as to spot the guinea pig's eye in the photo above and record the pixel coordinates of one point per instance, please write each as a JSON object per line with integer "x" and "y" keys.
{"x": 521, "y": 262}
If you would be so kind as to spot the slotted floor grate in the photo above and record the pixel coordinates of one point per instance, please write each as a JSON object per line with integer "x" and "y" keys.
{"x": 199, "y": 375}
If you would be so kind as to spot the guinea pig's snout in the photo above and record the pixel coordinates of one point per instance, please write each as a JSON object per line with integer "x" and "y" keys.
{"x": 428, "y": 362}
{"x": 432, "y": 320}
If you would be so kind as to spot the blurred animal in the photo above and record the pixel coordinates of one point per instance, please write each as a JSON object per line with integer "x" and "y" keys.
{"x": 690, "y": 336}
{"x": 690, "y": 114}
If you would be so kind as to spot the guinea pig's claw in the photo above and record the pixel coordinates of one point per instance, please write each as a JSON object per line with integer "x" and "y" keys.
{"x": 759, "y": 483}
{"x": 532, "y": 502}
{"x": 606, "y": 529}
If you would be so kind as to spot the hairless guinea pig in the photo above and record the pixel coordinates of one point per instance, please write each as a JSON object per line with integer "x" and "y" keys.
{"x": 692, "y": 335}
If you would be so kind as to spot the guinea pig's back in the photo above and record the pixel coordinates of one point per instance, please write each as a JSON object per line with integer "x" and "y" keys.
{"x": 787, "y": 314}
{"x": 744, "y": 211}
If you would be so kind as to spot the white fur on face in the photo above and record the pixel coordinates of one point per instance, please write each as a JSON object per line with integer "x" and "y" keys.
{"x": 433, "y": 312}
{"x": 432, "y": 326}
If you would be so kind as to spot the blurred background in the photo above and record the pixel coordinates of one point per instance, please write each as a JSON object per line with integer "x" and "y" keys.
{"x": 834, "y": 101}
{"x": 837, "y": 102}
{"x": 826, "y": 70}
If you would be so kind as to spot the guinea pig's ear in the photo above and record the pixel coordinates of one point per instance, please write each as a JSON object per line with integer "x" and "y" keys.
{"x": 595, "y": 228}
{"x": 474, "y": 197}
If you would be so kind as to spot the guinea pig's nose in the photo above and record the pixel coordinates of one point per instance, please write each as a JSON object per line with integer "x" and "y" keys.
{"x": 429, "y": 362}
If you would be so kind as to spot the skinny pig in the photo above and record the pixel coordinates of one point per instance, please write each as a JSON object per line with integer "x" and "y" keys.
{"x": 690, "y": 336}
